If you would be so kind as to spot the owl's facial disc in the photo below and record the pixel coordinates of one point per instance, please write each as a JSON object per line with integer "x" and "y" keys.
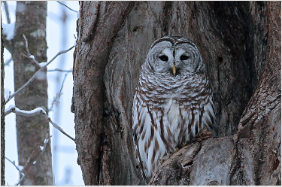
{"x": 174, "y": 59}
{"x": 164, "y": 60}
{"x": 185, "y": 58}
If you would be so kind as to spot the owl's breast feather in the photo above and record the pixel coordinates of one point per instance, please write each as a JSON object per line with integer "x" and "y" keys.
{"x": 157, "y": 89}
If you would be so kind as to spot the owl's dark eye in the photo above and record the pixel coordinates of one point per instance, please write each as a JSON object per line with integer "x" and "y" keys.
{"x": 163, "y": 58}
{"x": 184, "y": 57}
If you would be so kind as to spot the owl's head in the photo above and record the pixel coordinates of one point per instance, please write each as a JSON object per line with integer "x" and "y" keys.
{"x": 174, "y": 55}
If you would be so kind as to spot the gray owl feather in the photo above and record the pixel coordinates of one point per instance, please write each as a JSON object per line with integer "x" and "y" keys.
{"x": 173, "y": 100}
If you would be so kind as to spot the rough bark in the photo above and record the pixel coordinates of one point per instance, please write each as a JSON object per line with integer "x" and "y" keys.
{"x": 259, "y": 130}
{"x": 31, "y": 132}
{"x": 240, "y": 48}
{"x": 94, "y": 34}
{"x": 2, "y": 113}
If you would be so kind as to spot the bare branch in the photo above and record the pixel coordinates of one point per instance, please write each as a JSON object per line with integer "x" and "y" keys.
{"x": 26, "y": 45}
{"x": 25, "y": 85}
{"x": 58, "y": 95}
{"x": 67, "y": 6}
{"x": 63, "y": 82}
{"x": 15, "y": 166}
{"x": 7, "y": 62}
{"x": 33, "y": 158}
{"x": 23, "y": 178}
{"x": 60, "y": 70}
{"x": 36, "y": 111}
{"x": 60, "y": 129}
{"x": 58, "y": 54}
{"x": 7, "y": 12}
{"x": 43, "y": 66}
{"x": 30, "y": 57}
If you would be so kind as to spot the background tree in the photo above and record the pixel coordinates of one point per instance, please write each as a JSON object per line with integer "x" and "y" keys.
{"x": 31, "y": 131}
{"x": 240, "y": 43}
{"x": 2, "y": 115}
{"x": 65, "y": 168}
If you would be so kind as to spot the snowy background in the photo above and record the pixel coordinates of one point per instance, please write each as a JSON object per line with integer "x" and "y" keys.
{"x": 61, "y": 28}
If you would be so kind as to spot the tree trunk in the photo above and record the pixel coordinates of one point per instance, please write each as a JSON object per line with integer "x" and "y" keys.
{"x": 2, "y": 113}
{"x": 32, "y": 131}
{"x": 240, "y": 43}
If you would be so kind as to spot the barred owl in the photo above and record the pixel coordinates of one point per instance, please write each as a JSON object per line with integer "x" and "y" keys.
{"x": 173, "y": 100}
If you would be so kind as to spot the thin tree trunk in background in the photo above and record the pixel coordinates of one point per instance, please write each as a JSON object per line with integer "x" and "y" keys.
{"x": 240, "y": 43}
{"x": 2, "y": 114}
{"x": 32, "y": 131}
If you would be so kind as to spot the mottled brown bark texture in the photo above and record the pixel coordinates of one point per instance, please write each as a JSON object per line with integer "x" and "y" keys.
{"x": 240, "y": 43}
{"x": 2, "y": 113}
{"x": 31, "y": 131}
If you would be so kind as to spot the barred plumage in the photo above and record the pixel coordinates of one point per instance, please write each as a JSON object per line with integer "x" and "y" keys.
{"x": 173, "y": 100}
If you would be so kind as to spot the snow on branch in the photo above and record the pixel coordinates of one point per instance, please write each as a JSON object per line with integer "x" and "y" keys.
{"x": 13, "y": 109}
{"x": 37, "y": 74}
{"x": 67, "y": 6}
{"x": 36, "y": 111}
{"x": 8, "y": 30}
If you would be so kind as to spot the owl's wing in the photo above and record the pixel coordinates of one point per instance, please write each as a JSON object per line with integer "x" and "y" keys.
{"x": 138, "y": 157}
{"x": 146, "y": 125}
{"x": 209, "y": 117}
{"x": 136, "y": 126}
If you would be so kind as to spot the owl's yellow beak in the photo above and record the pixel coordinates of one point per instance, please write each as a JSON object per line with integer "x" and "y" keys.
{"x": 174, "y": 69}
